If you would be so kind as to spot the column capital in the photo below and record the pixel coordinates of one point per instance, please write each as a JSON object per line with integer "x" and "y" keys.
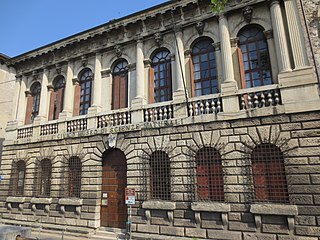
{"x": 273, "y": 2}
{"x": 147, "y": 63}
{"x": 139, "y": 39}
{"x": 131, "y": 67}
{"x": 268, "y": 34}
{"x": 28, "y": 93}
{"x": 105, "y": 73}
{"x": 75, "y": 81}
{"x": 234, "y": 42}
{"x": 178, "y": 29}
{"x": 187, "y": 53}
{"x": 221, "y": 16}
{"x": 216, "y": 46}
{"x": 50, "y": 88}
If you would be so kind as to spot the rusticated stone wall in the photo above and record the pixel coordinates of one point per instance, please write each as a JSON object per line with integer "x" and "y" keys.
{"x": 238, "y": 218}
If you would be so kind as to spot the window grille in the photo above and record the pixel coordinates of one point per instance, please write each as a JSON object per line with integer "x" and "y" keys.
{"x": 209, "y": 175}
{"x": 204, "y": 68}
{"x": 74, "y": 177}
{"x": 160, "y": 178}
{"x": 17, "y": 181}
{"x": 269, "y": 177}
{"x": 44, "y": 178}
{"x": 86, "y": 79}
{"x": 161, "y": 65}
{"x": 254, "y": 58}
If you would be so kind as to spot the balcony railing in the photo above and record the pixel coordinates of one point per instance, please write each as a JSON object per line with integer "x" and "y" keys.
{"x": 266, "y": 96}
{"x": 205, "y": 105}
{"x": 115, "y": 118}
{"x": 249, "y": 99}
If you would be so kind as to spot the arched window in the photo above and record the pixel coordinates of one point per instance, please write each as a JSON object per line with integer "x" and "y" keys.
{"x": 161, "y": 77}
{"x": 160, "y": 177}
{"x": 209, "y": 175}
{"x": 57, "y": 98}
{"x": 33, "y": 102}
{"x": 74, "y": 179}
{"x": 18, "y": 178}
{"x": 269, "y": 177}
{"x": 204, "y": 68}
{"x": 255, "y": 67}
{"x": 120, "y": 85}
{"x": 83, "y": 92}
{"x": 45, "y": 178}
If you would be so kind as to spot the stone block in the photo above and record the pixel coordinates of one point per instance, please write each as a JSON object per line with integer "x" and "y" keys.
{"x": 148, "y": 228}
{"x": 196, "y": 232}
{"x": 184, "y": 223}
{"x": 173, "y": 231}
{"x": 275, "y": 228}
{"x": 257, "y": 236}
{"x": 240, "y": 226}
{"x": 234, "y": 216}
{"x": 308, "y": 231}
{"x": 306, "y": 220}
{"x": 224, "y": 235}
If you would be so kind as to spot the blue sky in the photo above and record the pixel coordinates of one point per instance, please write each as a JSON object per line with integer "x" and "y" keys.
{"x": 29, "y": 24}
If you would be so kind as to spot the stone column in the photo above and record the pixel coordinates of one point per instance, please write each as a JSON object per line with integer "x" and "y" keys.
{"x": 140, "y": 88}
{"x": 97, "y": 84}
{"x": 226, "y": 53}
{"x": 15, "y": 104}
{"x": 280, "y": 37}
{"x": 107, "y": 89}
{"x": 272, "y": 54}
{"x": 217, "y": 51}
{"x": 43, "y": 110}
{"x": 21, "y": 109}
{"x": 229, "y": 86}
{"x": 296, "y": 37}
{"x": 68, "y": 93}
{"x": 180, "y": 67}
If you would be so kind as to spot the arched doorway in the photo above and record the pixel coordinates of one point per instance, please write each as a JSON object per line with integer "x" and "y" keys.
{"x": 114, "y": 182}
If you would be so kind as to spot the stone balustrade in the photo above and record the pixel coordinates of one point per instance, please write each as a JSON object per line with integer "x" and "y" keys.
{"x": 249, "y": 99}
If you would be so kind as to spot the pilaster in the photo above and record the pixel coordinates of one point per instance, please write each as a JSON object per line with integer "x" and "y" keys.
{"x": 140, "y": 86}
{"x": 280, "y": 37}
{"x": 68, "y": 94}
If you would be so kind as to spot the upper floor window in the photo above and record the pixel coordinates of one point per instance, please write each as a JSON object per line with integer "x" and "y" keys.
{"x": 18, "y": 178}
{"x": 86, "y": 78}
{"x": 209, "y": 175}
{"x": 160, "y": 177}
{"x": 161, "y": 77}
{"x": 204, "y": 68}
{"x": 33, "y": 103}
{"x": 44, "y": 178}
{"x": 74, "y": 179}
{"x": 269, "y": 179}
{"x": 255, "y": 67}
{"x": 57, "y": 98}
{"x": 120, "y": 85}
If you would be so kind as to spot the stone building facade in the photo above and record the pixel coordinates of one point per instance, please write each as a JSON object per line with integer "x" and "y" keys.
{"x": 212, "y": 119}
{"x": 7, "y": 79}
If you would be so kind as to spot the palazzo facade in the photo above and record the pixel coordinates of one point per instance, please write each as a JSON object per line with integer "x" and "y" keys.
{"x": 212, "y": 119}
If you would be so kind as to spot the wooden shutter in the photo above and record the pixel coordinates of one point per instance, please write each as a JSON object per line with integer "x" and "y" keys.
{"x": 76, "y": 106}
{"x": 116, "y": 92}
{"x": 151, "y": 85}
{"x": 29, "y": 109}
{"x": 169, "y": 87}
{"x": 123, "y": 90}
{"x": 241, "y": 69}
{"x": 260, "y": 181}
{"x": 59, "y": 102}
{"x": 192, "y": 77}
{"x": 51, "y": 107}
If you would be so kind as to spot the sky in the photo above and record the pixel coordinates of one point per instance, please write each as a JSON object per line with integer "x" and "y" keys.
{"x": 28, "y": 24}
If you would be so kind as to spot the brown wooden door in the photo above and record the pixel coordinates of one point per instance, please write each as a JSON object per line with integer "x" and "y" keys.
{"x": 114, "y": 182}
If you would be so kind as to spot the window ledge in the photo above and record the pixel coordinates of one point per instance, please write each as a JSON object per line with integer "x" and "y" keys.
{"x": 16, "y": 199}
{"x": 41, "y": 200}
{"x": 210, "y": 207}
{"x": 274, "y": 209}
{"x": 70, "y": 201}
{"x": 159, "y": 205}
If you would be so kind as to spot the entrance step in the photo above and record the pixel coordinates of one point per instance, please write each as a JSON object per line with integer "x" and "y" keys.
{"x": 109, "y": 234}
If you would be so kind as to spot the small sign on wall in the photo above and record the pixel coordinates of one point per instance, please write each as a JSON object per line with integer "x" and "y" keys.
{"x": 1, "y": 178}
{"x": 105, "y": 195}
{"x": 130, "y": 196}
{"x": 104, "y": 202}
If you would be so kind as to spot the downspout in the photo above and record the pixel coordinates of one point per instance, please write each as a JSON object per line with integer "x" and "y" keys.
{"x": 309, "y": 38}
